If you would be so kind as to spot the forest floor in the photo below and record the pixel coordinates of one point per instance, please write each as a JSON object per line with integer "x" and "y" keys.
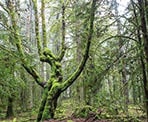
{"x": 80, "y": 120}
{"x": 92, "y": 119}
{"x": 67, "y": 112}
{"x": 29, "y": 117}
{"x": 70, "y": 120}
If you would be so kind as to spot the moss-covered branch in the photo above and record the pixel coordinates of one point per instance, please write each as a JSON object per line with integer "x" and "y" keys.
{"x": 76, "y": 74}
{"x": 34, "y": 74}
{"x": 63, "y": 49}
{"x": 44, "y": 36}
{"x": 37, "y": 27}
{"x": 47, "y": 56}
{"x": 14, "y": 28}
{"x": 18, "y": 41}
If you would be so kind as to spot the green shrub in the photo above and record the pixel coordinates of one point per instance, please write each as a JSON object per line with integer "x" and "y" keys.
{"x": 83, "y": 111}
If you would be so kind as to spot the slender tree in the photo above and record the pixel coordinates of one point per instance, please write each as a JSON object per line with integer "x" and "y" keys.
{"x": 143, "y": 23}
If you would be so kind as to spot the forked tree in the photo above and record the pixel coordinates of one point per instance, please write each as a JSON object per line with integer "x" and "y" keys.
{"x": 56, "y": 84}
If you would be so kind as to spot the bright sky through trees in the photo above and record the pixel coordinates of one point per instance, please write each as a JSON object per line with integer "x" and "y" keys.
{"x": 122, "y": 5}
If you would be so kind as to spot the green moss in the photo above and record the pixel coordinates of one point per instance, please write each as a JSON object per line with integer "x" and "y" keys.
{"x": 46, "y": 115}
{"x": 42, "y": 57}
{"x": 47, "y": 52}
{"x": 58, "y": 64}
{"x": 55, "y": 86}
{"x": 70, "y": 121}
{"x": 83, "y": 111}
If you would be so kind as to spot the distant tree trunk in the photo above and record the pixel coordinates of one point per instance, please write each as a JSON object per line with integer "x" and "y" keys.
{"x": 123, "y": 63}
{"x": 79, "y": 85}
{"x": 110, "y": 86}
{"x": 134, "y": 95}
{"x": 144, "y": 24}
{"x": 10, "y": 112}
{"x": 23, "y": 99}
{"x": 143, "y": 39}
{"x": 145, "y": 80}
{"x": 31, "y": 95}
{"x": 89, "y": 80}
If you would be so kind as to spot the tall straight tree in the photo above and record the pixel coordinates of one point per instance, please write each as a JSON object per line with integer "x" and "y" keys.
{"x": 56, "y": 84}
{"x": 144, "y": 23}
{"x": 141, "y": 26}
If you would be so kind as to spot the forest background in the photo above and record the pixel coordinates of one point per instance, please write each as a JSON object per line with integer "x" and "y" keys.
{"x": 73, "y": 58}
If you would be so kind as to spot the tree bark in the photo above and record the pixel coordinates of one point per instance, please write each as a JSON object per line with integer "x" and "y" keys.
{"x": 143, "y": 23}
{"x": 43, "y": 102}
{"x": 51, "y": 103}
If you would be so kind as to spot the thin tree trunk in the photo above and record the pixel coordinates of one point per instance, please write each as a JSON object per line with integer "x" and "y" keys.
{"x": 10, "y": 112}
{"x": 79, "y": 85}
{"x": 145, "y": 38}
{"x": 145, "y": 81}
{"x": 31, "y": 95}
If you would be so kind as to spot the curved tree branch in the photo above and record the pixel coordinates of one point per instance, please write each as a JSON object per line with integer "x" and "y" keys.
{"x": 18, "y": 41}
{"x": 34, "y": 74}
{"x": 80, "y": 68}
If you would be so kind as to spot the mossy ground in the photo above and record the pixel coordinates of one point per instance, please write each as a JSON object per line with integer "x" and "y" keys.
{"x": 70, "y": 111}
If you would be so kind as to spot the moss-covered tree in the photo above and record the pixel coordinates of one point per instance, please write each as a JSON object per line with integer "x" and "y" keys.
{"x": 56, "y": 84}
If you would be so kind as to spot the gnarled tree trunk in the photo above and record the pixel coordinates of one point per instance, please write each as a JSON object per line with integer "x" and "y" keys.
{"x": 53, "y": 87}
